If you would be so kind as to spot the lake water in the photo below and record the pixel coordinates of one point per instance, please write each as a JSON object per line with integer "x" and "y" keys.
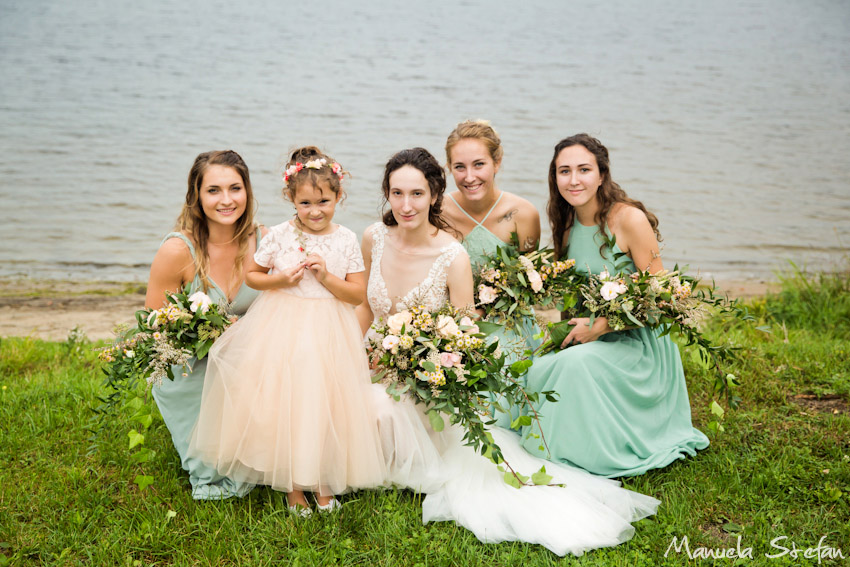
{"x": 729, "y": 119}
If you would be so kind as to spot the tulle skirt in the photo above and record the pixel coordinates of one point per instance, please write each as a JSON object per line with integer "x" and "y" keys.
{"x": 286, "y": 399}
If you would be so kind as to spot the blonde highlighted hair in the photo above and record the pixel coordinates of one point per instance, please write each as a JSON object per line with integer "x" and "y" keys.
{"x": 193, "y": 221}
{"x": 478, "y": 130}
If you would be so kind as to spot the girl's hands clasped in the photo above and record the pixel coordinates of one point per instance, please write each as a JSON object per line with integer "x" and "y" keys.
{"x": 292, "y": 276}
{"x": 316, "y": 264}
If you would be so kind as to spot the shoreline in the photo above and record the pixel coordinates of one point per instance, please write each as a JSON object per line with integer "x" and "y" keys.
{"x": 50, "y": 309}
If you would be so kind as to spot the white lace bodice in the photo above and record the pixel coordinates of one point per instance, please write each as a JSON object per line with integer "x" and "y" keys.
{"x": 432, "y": 291}
{"x": 281, "y": 249}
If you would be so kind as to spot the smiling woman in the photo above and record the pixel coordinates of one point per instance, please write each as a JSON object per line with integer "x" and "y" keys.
{"x": 487, "y": 217}
{"x": 623, "y": 405}
{"x": 215, "y": 233}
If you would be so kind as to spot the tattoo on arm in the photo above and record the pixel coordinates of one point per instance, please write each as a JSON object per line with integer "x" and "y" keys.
{"x": 529, "y": 243}
{"x": 509, "y": 215}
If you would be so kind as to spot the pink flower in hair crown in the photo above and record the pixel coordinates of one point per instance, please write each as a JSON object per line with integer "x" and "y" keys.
{"x": 312, "y": 164}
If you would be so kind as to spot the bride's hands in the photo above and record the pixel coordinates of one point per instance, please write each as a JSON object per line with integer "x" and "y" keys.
{"x": 583, "y": 332}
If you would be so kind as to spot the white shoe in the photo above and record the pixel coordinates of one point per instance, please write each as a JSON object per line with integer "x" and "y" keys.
{"x": 332, "y": 505}
{"x": 300, "y": 511}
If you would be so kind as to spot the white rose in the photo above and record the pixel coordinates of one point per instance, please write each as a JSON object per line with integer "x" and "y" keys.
{"x": 447, "y": 327}
{"x": 486, "y": 294}
{"x": 399, "y": 320}
{"x": 535, "y": 280}
{"x": 200, "y": 300}
{"x": 610, "y": 290}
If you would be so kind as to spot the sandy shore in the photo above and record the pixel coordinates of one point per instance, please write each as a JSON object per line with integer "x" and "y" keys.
{"x": 50, "y": 309}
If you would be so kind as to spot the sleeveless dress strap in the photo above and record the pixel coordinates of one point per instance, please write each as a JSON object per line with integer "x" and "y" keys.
{"x": 502, "y": 194}
{"x": 182, "y": 237}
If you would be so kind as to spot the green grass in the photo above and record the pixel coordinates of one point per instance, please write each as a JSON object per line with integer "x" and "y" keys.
{"x": 781, "y": 468}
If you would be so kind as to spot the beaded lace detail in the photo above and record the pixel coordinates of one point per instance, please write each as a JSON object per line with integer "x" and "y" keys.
{"x": 432, "y": 292}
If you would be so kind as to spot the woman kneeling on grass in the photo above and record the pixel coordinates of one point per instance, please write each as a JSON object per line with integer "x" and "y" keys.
{"x": 623, "y": 407}
{"x": 214, "y": 235}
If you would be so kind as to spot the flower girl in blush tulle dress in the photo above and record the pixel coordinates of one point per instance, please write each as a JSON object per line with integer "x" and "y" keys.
{"x": 285, "y": 401}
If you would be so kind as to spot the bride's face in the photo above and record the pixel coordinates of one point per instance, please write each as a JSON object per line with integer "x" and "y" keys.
{"x": 410, "y": 197}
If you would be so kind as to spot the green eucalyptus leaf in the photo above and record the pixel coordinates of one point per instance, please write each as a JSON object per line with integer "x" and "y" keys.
{"x": 377, "y": 377}
{"x": 437, "y": 423}
{"x": 488, "y": 327}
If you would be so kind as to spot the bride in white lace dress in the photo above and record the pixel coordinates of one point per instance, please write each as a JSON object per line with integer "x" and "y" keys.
{"x": 411, "y": 258}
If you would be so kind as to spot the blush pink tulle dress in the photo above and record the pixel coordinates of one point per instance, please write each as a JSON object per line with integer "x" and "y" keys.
{"x": 286, "y": 396}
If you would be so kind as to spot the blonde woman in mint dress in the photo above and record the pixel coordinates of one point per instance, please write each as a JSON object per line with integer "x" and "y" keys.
{"x": 623, "y": 406}
{"x": 486, "y": 216}
{"x": 215, "y": 233}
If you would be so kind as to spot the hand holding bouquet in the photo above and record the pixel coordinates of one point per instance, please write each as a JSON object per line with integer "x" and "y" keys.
{"x": 186, "y": 327}
{"x": 510, "y": 283}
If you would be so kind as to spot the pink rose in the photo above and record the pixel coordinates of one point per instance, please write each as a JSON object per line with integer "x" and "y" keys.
{"x": 448, "y": 359}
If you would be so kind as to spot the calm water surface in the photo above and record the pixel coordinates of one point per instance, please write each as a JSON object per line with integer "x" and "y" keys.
{"x": 729, "y": 119}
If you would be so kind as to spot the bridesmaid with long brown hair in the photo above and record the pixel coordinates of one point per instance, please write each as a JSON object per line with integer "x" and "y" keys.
{"x": 623, "y": 406}
{"x": 214, "y": 235}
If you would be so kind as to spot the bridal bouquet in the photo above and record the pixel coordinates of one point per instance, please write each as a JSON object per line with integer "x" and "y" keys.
{"x": 440, "y": 359}
{"x": 170, "y": 336}
{"x": 510, "y": 283}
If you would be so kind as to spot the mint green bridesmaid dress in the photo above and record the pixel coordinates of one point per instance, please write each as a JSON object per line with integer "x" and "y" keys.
{"x": 478, "y": 243}
{"x": 179, "y": 400}
{"x": 623, "y": 406}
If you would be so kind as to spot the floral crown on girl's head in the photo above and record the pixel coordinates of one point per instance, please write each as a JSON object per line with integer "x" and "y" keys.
{"x": 312, "y": 164}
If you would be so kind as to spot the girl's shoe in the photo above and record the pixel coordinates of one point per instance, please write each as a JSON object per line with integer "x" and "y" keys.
{"x": 333, "y": 504}
{"x": 300, "y": 511}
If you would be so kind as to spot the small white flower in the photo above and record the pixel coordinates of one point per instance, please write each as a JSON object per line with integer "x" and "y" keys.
{"x": 535, "y": 280}
{"x": 200, "y": 300}
{"x": 129, "y": 353}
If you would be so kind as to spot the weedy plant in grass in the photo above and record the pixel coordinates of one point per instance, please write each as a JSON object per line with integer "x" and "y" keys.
{"x": 819, "y": 302}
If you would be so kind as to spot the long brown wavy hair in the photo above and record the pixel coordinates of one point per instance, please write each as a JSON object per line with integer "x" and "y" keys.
{"x": 435, "y": 175}
{"x": 562, "y": 214}
{"x": 193, "y": 221}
